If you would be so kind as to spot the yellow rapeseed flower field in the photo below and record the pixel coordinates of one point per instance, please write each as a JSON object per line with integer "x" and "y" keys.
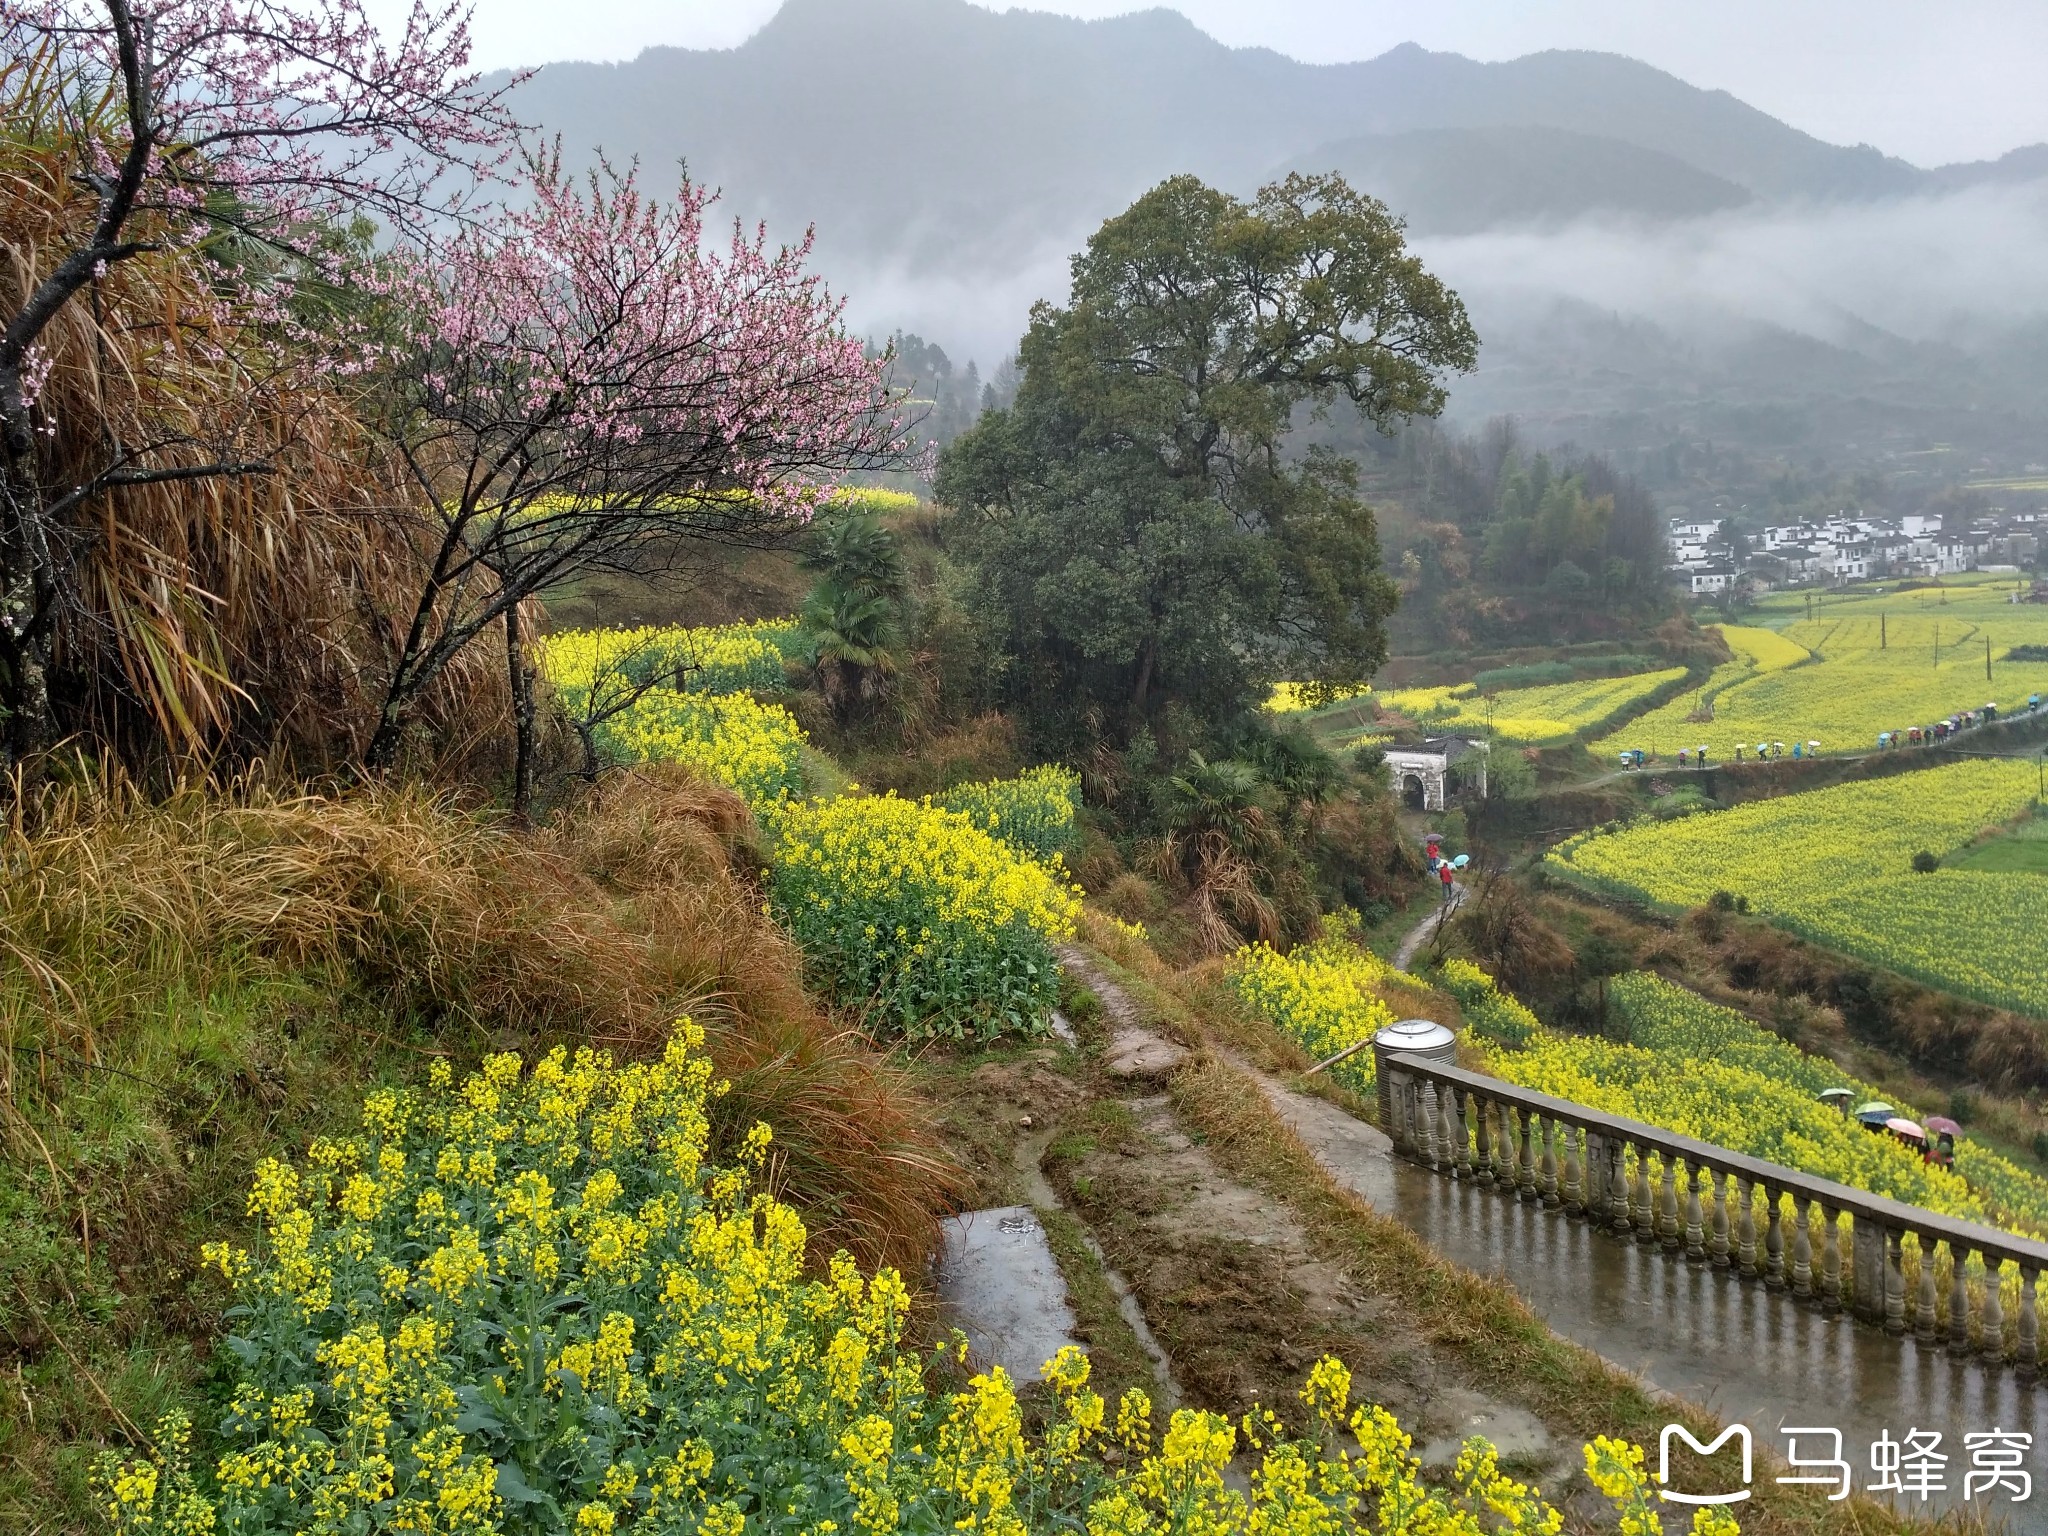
{"x": 1836, "y": 866}
{"x": 723, "y": 658}
{"x": 752, "y": 748}
{"x": 1684, "y": 1028}
{"x": 1322, "y": 996}
{"x": 1758, "y": 653}
{"x": 526, "y": 1303}
{"x": 1539, "y": 716}
{"x": 1877, "y": 664}
{"x": 935, "y": 923}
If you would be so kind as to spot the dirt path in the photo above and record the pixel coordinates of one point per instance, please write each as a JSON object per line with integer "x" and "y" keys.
{"x": 1425, "y": 930}
{"x": 1230, "y": 1286}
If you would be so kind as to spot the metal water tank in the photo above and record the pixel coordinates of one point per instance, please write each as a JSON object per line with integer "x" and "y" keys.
{"x": 1418, "y": 1039}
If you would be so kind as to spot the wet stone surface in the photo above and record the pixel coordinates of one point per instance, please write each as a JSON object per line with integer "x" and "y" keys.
{"x": 999, "y": 1284}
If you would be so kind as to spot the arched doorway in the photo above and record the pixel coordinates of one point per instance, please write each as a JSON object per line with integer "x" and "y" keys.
{"x": 1413, "y": 793}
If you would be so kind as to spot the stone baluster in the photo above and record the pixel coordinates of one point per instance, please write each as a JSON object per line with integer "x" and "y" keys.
{"x": 1594, "y": 1162}
{"x": 1745, "y": 1247}
{"x": 1526, "y": 1178}
{"x": 1802, "y": 1250}
{"x": 1668, "y": 1230}
{"x": 1830, "y": 1260}
{"x": 1619, "y": 1198}
{"x": 1774, "y": 1240}
{"x": 1397, "y": 1111}
{"x": 1548, "y": 1183}
{"x": 1646, "y": 1199}
{"x": 1718, "y": 1246}
{"x": 1504, "y": 1154}
{"x": 1574, "y": 1190}
{"x": 1869, "y": 1255}
{"x": 1894, "y": 1283}
{"x": 1457, "y": 1162}
{"x": 1923, "y": 1313}
{"x": 1958, "y": 1299}
{"x": 1991, "y": 1337}
{"x": 1482, "y": 1133}
{"x": 2027, "y": 1350}
{"x": 1425, "y": 1121}
{"x": 1695, "y": 1222}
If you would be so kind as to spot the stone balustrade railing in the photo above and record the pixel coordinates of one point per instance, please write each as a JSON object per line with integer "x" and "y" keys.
{"x": 1897, "y": 1266}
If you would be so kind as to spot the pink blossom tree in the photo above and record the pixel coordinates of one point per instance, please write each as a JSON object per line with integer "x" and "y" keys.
{"x": 190, "y": 125}
{"x": 594, "y": 383}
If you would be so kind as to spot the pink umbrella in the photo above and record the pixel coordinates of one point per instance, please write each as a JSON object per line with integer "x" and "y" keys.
{"x": 1941, "y": 1125}
{"x": 1899, "y": 1125}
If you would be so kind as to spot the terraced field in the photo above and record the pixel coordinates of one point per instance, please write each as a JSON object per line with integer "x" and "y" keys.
{"x": 1836, "y": 865}
{"x": 1530, "y": 717}
{"x": 1861, "y": 666}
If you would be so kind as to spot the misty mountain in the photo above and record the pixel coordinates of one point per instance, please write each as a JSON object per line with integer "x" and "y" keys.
{"x": 1645, "y": 261}
{"x": 1458, "y": 181}
{"x": 934, "y": 130}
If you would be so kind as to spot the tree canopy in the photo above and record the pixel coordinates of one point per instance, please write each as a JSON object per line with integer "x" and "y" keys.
{"x": 1145, "y": 535}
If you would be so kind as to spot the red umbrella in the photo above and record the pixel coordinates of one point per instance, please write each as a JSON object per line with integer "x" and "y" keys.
{"x": 1941, "y": 1125}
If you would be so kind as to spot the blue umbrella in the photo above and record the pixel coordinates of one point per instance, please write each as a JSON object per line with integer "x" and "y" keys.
{"x": 1461, "y": 861}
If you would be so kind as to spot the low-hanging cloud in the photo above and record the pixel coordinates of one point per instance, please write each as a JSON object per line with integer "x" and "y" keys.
{"x": 1925, "y": 269}
{"x": 1963, "y": 268}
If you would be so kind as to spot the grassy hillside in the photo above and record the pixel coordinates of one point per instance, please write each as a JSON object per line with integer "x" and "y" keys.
{"x": 196, "y": 985}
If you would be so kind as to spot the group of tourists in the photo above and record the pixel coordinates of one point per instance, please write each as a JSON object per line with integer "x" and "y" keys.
{"x": 1942, "y": 730}
{"x": 1696, "y": 757}
{"x": 1910, "y": 736}
{"x": 1766, "y": 750}
{"x": 1445, "y": 869}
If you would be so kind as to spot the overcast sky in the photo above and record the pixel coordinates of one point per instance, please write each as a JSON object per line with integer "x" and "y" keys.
{"x": 1930, "y": 80}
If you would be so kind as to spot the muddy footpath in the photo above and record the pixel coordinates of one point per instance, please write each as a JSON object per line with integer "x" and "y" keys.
{"x": 1105, "y": 1220}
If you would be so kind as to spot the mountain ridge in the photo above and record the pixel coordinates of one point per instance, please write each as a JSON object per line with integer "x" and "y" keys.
{"x": 934, "y": 132}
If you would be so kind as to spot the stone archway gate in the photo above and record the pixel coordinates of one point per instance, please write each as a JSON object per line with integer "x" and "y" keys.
{"x": 1430, "y": 763}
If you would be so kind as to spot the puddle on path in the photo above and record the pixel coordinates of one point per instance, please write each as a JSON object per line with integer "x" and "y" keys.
{"x": 998, "y": 1280}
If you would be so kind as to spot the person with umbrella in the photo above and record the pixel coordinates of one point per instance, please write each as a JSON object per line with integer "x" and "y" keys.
{"x": 1874, "y": 1114}
{"x": 1837, "y": 1098}
{"x": 1909, "y": 1133}
{"x": 1941, "y": 1151}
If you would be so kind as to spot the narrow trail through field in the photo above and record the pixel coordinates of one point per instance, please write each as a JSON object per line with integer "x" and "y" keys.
{"x": 1426, "y": 930}
{"x": 1936, "y": 759}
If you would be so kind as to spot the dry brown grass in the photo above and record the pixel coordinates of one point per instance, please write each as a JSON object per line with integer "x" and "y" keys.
{"x": 447, "y": 924}
{"x": 213, "y": 619}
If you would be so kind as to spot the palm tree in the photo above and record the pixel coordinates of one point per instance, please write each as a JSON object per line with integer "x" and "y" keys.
{"x": 852, "y": 637}
{"x": 853, "y": 614}
{"x": 1219, "y": 825}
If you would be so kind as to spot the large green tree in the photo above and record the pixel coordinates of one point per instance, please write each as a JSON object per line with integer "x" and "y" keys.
{"x": 1145, "y": 535}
